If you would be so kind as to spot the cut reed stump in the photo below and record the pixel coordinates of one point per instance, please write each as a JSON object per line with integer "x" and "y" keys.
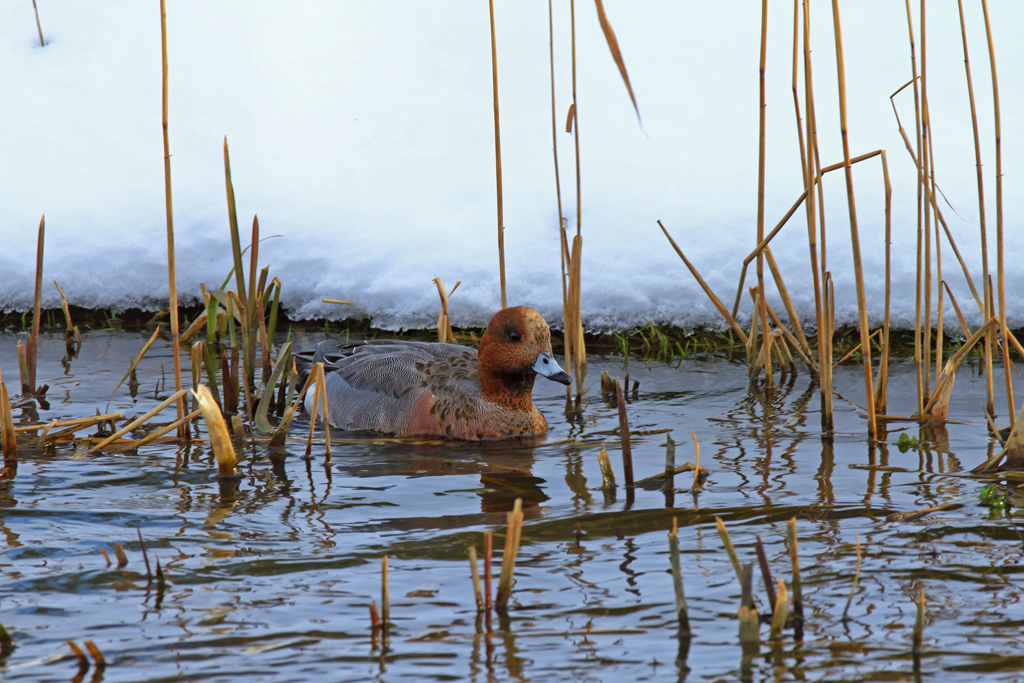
{"x": 677, "y": 582}
{"x": 508, "y": 558}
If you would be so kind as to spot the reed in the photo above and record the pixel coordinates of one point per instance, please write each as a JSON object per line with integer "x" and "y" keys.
{"x": 682, "y": 614}
{"x": 158, "y": 433}
{"x": 627, "y": 451}
{"x": 607, "y": 474}
{"x": 1000, "y": 271}
{"x": 136, "y": 423}
{"x": 780, "y": 612}
{"x": 854, "y": 233}
{"x": 762, "y": 308}
{"x": 217, "y": 428}
{"x": 236, "y": 244}
{"x": 72, "y": 335}
{"x": 488, "y": 553}
{"x": 83, "y": 661}
{"x": 39, "y": 27}
{"x": 122, "y": 558}
{"x": 766, "y": 574}
{"x": 508, "y": 558}
{"x": 564, "y": 244}
{"x": 750, "y": 624}
{"x": 798, "y": 600}
{"x": 32, "y": 346}
{"x": 171, "y": 270}
{"x": 723, "y": 533}
{"x": 670, "y": 464}
{"x": 374, "y": 624}
{"x": 475, "y": 572}
{"x": 696, "y": 461}
{"x": 10, "y": 443}
{"x": 497, "y": 158}
{"x": 284, "y": 360}
{"x": 444, "y": 323}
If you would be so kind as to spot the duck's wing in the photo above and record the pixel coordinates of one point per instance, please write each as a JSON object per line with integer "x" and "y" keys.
{"x": 380, "y": 385}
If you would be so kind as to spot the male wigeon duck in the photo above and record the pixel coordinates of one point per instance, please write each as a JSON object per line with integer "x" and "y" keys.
{"x": 408, "y": 388}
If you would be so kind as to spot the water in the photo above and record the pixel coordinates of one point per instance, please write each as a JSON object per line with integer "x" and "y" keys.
{"x": 277, "y": 582}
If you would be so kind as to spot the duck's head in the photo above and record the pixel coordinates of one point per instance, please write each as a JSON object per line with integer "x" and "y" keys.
{"x": 515, "y": 348}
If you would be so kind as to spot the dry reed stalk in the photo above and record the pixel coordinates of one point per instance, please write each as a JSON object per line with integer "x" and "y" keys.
{"x": 804, "y": 353}
{"x": 881, "y": 389}
{"x": 83, "y": 661}
{"x": 238, "y": 429}
{"x": 855, "y": 349}
{"x": 385, "y": 602}
{"x": 79, "y": 423}
{"x": 322, "y": 390}
{"x": 696, "y": 461}
{"x": 670, "y": 464}
{"x": 122, "y": 558}
{"x": 938, "y": 403}
{"x": 193, "y": 329}
{"x": 797, "y": 336}
{"x": 779, "y": 613}
{"x": 613, "y": 47}
{"x": 134, "y": 364}
{"x": 26, "y": 386}
{"x": 32, "y": 345}
{"x": 497, "y": 159}
{"x": 217, "y": 428}
{"x": 926, "y": 330}
{"x": 854, "y": 234}
{"x": 762, "y": 311}
{"x": 39, "y": 26}
{"x": 312, "y": 385}
{"x": 707, "y": 290}
{"x": 10, "y": 443}
{"x": 918, "y": 636}
{"x": 97, "y": 656}
{"x": 766, "y": 574}
{"x": 374, "y": 624}
{"x": 796, "y": 97}
{"x": 72, "y": 333}
{"x": 607, "y": 474}
{"x": 444, "y": 323}
{"x": 508, "y": 557}
{"x": 750, "y": 624}
{"x": 682, "y": 613}
{"x": 488, "y": 553}
{"x": 176, "y": 396}
{"x": 812, "y": 162}
{"x": 1000, "y": 279}
{"x": 564, "y": 248}
{"x": 475, "y": 572}
{"x": 574, "y": 116}
{"x": 729, "y": 549}
{"x": 158, "y": 433}
{"x": 798, "y": 600}
{"x": 171, "y": 270}
{"x": 1013, "y": 447}
{"x": 856, "y": 578}
{"x": 964, "y": 327}
{"x": 627, "y": 451}
{"x": 574, "y": 323}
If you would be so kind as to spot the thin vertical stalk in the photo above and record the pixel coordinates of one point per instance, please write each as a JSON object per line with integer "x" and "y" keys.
{"x": 1004, "y": 331}
{"x": 927, "y": 294}
{"x": 32, "y": 345}
{"x": 824, "y": 366}
{"x": 171, "y": 269}
{"x": 497, "y": 160}
{"x": 854, "y": 235}
{"x": 921, "y": 185}
{"x": 39, "y": 26}
{"x": 563, "y": 243}
{"x": 939, "y": 329}
{"x": 677, "y": 582}
{"x": 763, "y": 307}
{"x": 881, "y": 398}
{"x": 575, "y": 117}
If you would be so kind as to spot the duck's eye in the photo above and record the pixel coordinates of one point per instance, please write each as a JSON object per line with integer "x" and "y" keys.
{"x": 514, "y": 336}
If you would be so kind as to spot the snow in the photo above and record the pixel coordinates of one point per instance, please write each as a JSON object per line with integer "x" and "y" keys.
{"x": 361, "y": 133}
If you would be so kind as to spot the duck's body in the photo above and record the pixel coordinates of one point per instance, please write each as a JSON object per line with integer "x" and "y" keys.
{"x": 410, "y": 388}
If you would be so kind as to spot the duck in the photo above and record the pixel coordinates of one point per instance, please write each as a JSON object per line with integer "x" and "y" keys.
{"x": 409, "y": 388}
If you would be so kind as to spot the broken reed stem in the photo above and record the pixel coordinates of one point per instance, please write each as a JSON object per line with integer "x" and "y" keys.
{"x": 444, "y": 323}
{"x": 475, "y": 571}
{"x": 798, "y": 600}
{"x": 497, "y": 159}
{"x": 766, "y": 574}
{"x": 374, "y": 624}
{"x": 10, "y": 443}
{"x": 156, "y": 434}
{"x": 750, "y": 625}
{"x": 508, "y": 557}
{"x": 919, "y": 622}
{"x": 999, "y": 211}
{"x": 780, "y": 611}
{"x": 670, "y": 464}
{"x": 607, "y": 473}
{"x": 724, "y": 534}
{"x": 217, "y": 428}
{"x": 171, "y": 270}
{"x": 856, "y": 578}
{"x": 627, "y": 452}
{"x": 763, "y": 309}
{"x": 488, "y": 553}
{"x": 176, "y": 396}
{"x": 32, "y": 350}
{"x": 854, "y": 233}
{"x": 677, "y": 582}
{"x": 575, "y": 117}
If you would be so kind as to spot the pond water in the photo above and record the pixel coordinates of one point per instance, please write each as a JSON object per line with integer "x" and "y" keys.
{"x": 276, "y": 582}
